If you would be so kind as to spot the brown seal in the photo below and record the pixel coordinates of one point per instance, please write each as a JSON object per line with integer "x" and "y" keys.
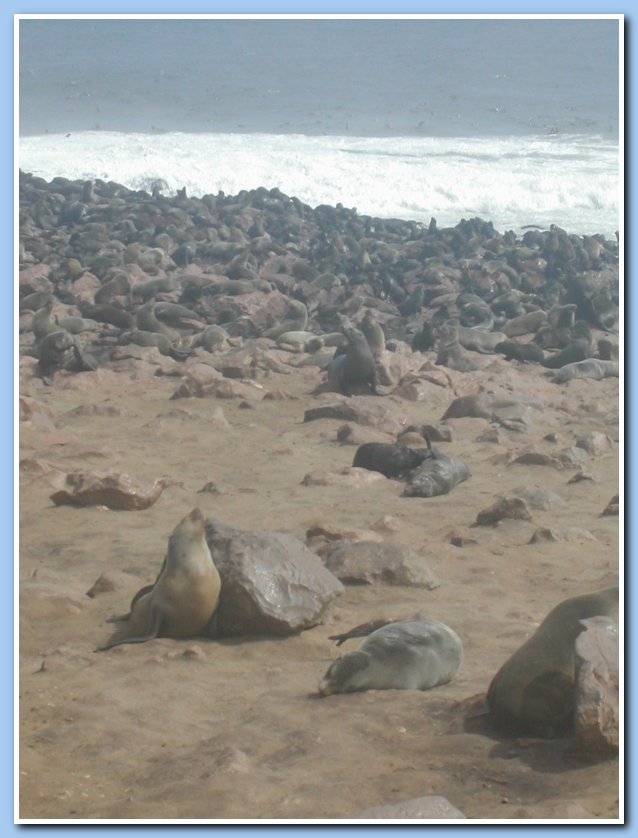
{"x": 533, "y": 692}
{"x": 184, "y": 597}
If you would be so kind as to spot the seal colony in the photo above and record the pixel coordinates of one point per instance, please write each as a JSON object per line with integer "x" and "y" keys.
{"x": 127, "y": 267}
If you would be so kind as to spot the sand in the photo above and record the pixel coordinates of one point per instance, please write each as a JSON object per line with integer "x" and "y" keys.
{"x": 233, "y": 729}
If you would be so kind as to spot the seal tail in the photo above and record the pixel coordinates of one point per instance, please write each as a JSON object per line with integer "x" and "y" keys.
{"x": 156, "y": 624}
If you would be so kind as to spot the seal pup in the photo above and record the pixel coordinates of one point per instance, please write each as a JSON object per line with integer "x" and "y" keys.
{"x": 44, "y": 321}
{"x": 393, "y": 460}
{"x": 296, "y": 320}
{"x": 61, "y": 351}
{"x": 437, "y": 474}
{"x": 184, "y": 596}
{"x": 533, "y": 692}
{"x": 410, "y": 655}
{"x": 449, "y": 352}
{"x": 523, "y": 352}
{"x": 581, "y": 348}
{"x": 374, "y": 334}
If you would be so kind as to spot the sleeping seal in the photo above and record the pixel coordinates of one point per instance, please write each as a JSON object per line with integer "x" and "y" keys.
{"x": 410, "y": 655}
{"x": 533, "y": 692}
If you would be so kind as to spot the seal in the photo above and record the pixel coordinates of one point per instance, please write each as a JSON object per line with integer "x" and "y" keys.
{"x": 581, "y": 348}
{"x": 184, "y": 596}
{"x": 296, "y": 320}
{"x": 390, "y": 459}
{"x": 44, "y": 321}
{"x": 449, "y": 352}
{"x": 524, "y": 352}
{"x": 61, "y": 351}
{"x": 533, "y": 692}
{"x": 438, "y": 474}
{"x": 478, "y": 340}
{"x": 591, "y": 368}
{"x": 374, "y": 334}
{"x": 410, "y": 655}
{"x": 525, "y": 324}
{"x": 354, "y": 370}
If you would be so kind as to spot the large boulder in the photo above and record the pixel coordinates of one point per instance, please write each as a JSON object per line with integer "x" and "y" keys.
{"x": 365, "y": 562}
{"x": 271, "y": 582}
{"x": 597, "y": 687}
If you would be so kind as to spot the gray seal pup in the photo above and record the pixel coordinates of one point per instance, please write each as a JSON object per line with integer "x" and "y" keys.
{"x": 184, "y": 596}
{"x": 533, "y": 692}
{"x": 438, "y": 474}
{"x": 591, "y": 368}
{"x": 410, "y": 655}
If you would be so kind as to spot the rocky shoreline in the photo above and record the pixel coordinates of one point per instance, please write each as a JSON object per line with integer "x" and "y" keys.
{"x": 114, "y": 267}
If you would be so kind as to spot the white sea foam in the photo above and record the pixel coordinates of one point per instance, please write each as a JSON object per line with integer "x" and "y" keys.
{"x": 572, "y": 181}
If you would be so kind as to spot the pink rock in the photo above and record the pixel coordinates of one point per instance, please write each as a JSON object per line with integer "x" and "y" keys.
{"x": 37, "y": 413}
{"x": 362, "y": 409}
{"x": 35, "y": 278}
{"x": 116, "y": 491}
{"x": 597, "y": 686}
{"x": 86, "y": 287}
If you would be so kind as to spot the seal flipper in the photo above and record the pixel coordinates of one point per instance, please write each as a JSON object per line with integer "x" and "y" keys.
{"x": 156, "y": 624}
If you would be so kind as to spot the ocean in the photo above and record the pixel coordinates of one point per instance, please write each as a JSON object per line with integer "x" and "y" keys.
{"x": 515, "y": 121}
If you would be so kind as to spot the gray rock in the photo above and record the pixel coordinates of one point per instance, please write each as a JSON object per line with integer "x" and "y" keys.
{"x": 271, "y": 582}
{"x": 597, "y": 686}
{"x": 430, "y": 807}
{"x": 508, "y": 507}
{"x": 595, "y": 443}
{"x": 365, "y": 562}
{"x": 538, "y": 498}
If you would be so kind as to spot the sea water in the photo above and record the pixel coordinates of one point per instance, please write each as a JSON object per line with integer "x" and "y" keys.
{"x": 571, "y": 181}
{"x": 515, "y": 121}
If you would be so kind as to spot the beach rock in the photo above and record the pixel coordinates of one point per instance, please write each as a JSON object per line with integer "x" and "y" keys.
{"x": 507, "y": 507}
{"x": 198, "y": 385}
{"x": 353, "y": 434}
{"x": 362, "y": 410}
{"x": 365, "y": 562}
{"x": 537, "y": 498}
{"x": 38, "y": 414}
{"x": 594, "y": 443}
{"x": 112, "y": 580}
{"x": 115, "y": 491}
{"x": 430, "y": 807}
{"x": 597, "y": 687}
{"x": 271, "y": 583}
{"x": 613, "y": 507}
{"x": 549, "y": 534}
{"x": 35, "y": 278}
